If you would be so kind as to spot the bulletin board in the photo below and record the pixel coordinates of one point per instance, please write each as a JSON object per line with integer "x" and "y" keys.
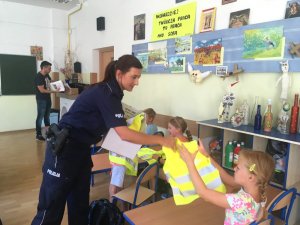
{"x": 233, "y": 44}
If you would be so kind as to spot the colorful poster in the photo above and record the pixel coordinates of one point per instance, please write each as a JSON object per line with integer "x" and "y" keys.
{"x": 175, "y": 22}
{"x": 143, "y": 57}
{"x": 263, "y": 43}
{"x": 208, "y": 52}
{"x": 183, "y": 45}
{"x": 177, "y": 64}
{"x": 157, "y": 52}
{"x": 37, "y": 51}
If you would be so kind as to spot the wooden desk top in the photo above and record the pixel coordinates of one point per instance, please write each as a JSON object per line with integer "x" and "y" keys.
{"x": 101, "y": 163}
{"x": 165, "y": 212}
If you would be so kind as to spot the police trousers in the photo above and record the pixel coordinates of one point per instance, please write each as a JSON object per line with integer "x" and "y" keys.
{"x": 66, "y": 178}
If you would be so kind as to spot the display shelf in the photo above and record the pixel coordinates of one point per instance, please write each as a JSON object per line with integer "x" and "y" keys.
{"x": 257, "y": 140}
{"x": 247, "y": 129}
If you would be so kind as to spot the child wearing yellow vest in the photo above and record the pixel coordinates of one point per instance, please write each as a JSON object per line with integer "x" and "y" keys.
{"x": 252, "y": 174}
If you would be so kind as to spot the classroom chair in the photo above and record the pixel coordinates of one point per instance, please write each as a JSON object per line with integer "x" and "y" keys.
{"x": 136, "y": 194}
{"x": 284, "y": 202}
{"x": 104, "y": 168}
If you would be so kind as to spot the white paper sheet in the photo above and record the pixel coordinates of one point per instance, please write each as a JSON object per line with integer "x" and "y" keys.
{"x": 114, "y": 143}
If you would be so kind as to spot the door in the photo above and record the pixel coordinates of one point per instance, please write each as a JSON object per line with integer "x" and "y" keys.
{"x": 106, "y": 55}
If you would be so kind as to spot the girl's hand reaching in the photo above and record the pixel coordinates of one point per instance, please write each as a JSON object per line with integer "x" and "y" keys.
{"x": 186, "y": 155}
{"x": 201, "y": 148}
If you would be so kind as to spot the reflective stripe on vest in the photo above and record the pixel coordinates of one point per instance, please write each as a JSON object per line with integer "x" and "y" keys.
{"x": 178, "y": 175}
{"x": 131, "y": 165}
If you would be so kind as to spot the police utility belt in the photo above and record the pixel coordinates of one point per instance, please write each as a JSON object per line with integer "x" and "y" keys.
{"x": 57, "y": 137}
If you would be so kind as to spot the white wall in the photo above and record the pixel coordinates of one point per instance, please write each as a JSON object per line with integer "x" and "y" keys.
{"x": 22, "y": 26}
{"x": 167, "y": 94}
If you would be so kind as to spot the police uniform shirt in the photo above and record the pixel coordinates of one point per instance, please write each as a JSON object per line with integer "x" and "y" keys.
{"x": 45, "y": 81}
{"x": 95, "y": 110}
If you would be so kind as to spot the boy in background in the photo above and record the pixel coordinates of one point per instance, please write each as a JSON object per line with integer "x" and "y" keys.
{"x": 150, "y": 114}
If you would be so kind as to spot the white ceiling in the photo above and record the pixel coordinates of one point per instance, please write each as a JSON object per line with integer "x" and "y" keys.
{"x": 48, "y": 3}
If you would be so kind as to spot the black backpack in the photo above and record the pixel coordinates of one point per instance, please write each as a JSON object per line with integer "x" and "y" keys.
{"x": 103, "y": 212}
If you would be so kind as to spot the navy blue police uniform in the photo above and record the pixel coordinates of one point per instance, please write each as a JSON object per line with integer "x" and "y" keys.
{"x": 66, "y": 176}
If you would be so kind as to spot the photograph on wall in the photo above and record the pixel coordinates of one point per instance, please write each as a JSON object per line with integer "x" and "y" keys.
{"x": 263, "y": 43}
{"x": 139, "y": 27}
{"x": 239, "y": 18}
{"x": 292, "y": 9}
{"x": 224, "y": 2}
{"x": 157, "y": 52}
{"x": 221, "y": 71}
{"x": 207, "y": 20}
{"x": 208, "y": 52}
{"x": 37, "y": 51}
{"x": 183, "y": 45}
{"x": 177, "y": 64}
{"x": 143, "y": 57}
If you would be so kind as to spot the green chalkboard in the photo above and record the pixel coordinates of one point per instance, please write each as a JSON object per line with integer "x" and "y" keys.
{"x": 17, "y": 74}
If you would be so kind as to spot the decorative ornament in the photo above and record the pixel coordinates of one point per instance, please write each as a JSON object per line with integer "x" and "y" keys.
{"x": 195, "y": 75}
{"x": 285, "y": 80}
{"x": 237, "y": 119}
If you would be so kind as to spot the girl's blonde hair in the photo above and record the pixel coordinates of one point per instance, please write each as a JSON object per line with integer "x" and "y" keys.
{"x": 180, "y": 123}
{"x": 262, "y": 165}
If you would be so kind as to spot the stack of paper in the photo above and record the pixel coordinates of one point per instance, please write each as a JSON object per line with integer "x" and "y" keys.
{"x": 114, "y": 143}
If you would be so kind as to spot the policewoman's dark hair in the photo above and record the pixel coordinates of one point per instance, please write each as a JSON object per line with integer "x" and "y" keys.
{"x": 124, "y": 63}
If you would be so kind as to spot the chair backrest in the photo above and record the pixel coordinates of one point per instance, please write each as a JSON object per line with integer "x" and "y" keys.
{"x": 149, "y": 174}
{"x": 283, "y": 201}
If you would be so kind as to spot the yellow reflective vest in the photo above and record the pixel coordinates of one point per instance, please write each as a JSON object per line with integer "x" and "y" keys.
{"x": 136, "y": 124}
{"x": 147, "y": 153}
{"x": 178, "y": 175}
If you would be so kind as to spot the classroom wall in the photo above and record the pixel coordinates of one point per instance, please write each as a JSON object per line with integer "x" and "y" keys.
{"x": 22, "y": 26}
{"x": 167, "y": 94}
{"x": 176, "y": 94}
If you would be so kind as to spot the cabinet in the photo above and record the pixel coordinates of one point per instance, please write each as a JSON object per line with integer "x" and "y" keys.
{"x": 258, "y": 140}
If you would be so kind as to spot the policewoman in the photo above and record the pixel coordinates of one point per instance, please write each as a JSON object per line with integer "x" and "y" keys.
{"x": 66, "y": 172}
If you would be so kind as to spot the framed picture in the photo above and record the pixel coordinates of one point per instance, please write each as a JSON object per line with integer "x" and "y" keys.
{"x": 292, "y": 9}
{"x": 224, "y": 2}
{"x": 207, "y": 21}
{"x": 239, "y": 18}
{"x": 139, "y": 27}
{"x": 221, "y": 71}
{"x": 37, "y": 51}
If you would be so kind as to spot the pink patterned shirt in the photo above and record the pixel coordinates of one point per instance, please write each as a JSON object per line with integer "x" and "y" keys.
{"x": 243, "y": 209}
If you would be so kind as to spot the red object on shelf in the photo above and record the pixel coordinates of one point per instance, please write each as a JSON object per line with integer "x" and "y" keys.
{"x": 236, "y": 152}
{"x": 294, "y": 115}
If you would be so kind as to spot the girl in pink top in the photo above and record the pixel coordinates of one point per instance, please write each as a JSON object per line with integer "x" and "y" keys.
{"x": 251, "y": 176}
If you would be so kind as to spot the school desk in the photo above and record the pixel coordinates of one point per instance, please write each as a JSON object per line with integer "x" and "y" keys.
{"x": 165, "y": 212}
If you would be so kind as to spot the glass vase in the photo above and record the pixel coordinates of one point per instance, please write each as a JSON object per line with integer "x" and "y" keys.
{"x": 227, "y": 113}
